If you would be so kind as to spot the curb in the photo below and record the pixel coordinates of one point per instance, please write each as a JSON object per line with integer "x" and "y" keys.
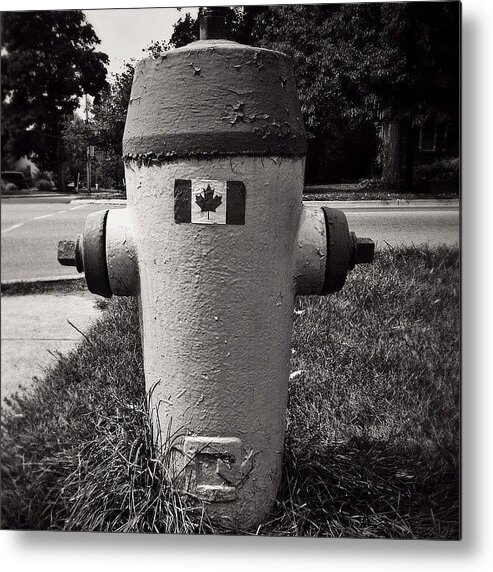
{"x": 59, "y": 198}
{"x": 37, "y": 196}
{"x": 41, "y": 285}
{"x": 363, "y": 204}
{"x": 99, "y": 201}
{"x": 388, "y": 204}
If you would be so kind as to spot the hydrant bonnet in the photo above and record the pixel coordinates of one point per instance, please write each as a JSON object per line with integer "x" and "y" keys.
{"x": 213, "y": 98}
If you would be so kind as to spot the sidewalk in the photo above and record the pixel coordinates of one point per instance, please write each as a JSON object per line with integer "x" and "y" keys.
{"x": 35, "y": 327}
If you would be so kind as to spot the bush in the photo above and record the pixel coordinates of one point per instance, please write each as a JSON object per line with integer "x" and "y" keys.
{"x": 9, "y": 187}
{"x": 44, "y": 185}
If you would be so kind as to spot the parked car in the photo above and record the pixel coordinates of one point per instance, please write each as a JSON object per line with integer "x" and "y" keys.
{"x": 14, "y": 177}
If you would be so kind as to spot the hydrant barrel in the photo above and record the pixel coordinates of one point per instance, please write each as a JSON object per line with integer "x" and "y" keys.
{"x": 214, "y": 148}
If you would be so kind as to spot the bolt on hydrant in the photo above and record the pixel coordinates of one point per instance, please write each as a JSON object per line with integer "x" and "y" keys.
{"x": 216, "y": 244}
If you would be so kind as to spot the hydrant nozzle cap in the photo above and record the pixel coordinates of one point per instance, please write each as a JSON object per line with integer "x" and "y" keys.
{"x": 364, "y": 250}
{"x": 70, "y": 253}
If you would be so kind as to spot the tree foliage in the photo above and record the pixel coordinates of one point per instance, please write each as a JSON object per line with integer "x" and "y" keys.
{"x": 104, "y": 131}
{"x": 48, "y": 62}
{"x": 110, "y": 113}
{"x": 360, "y": 63}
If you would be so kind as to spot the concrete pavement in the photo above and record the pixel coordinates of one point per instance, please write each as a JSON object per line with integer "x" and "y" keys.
{"x": 35, "y": 327}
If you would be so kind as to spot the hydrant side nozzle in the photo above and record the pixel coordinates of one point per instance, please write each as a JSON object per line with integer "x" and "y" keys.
{"x": 66, "y": 252}
{"x": 340, "y": 250}
{"x": 121, "y": 253}
{"x": 310, "y": 252}
{"x": 364, "y": 250}
{"x": 344, "y": 250}
{"x": 79, "y": 253}
{"x": 70, "y": 253}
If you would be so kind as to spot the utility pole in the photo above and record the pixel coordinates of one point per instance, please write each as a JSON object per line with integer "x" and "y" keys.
{"x": 88, "y": 154}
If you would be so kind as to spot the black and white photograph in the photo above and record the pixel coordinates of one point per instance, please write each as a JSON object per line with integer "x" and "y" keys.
{"x": 231, "y": 270}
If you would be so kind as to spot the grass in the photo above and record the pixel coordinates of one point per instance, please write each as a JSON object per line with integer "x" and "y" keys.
{"x": 372, "y": 443}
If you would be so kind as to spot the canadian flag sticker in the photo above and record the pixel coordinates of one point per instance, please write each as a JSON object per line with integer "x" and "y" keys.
{"x": 208, "y": 201}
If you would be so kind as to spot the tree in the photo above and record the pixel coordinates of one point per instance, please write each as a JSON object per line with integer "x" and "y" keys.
{"x": 77, "y": 135}
{"x": 104, "y": 131}
{"x": 48, "y": 62}
{"x": 111, "y": 111}
{"x": 394, "y": 64}
{"x": 185, "y": 31}
{"x": 239, "y": 24}
{"x": 109, "y": 119}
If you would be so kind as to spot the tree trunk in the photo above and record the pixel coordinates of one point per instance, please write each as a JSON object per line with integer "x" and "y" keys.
{"x": 397, "y": 155}
{"x": 410, "y": 145}
{"x": 60, "y": 175}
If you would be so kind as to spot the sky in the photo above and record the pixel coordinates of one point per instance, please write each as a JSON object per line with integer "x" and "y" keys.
{"x": 124, "y": 33}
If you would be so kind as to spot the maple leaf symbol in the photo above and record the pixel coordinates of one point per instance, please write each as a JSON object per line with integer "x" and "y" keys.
{"x": 208, "y": 202}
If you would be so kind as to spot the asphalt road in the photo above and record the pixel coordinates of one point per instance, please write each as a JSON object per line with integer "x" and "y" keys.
{"x": 397, "y": 227}
{"x": 30, "y": 234}
{"x": 31, "y": 229}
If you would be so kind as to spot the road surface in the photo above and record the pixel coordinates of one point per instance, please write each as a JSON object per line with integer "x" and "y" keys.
{"x": 32, "y": 228}
{"x": 30, "y": 234}
{"x": 405, "y": 226}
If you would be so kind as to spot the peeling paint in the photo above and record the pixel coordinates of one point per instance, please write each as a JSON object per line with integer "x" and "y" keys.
{"x": 176, "y": 118}
{"x": 236, "y": 113}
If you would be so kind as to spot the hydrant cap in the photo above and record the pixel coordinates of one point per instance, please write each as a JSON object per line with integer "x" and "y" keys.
{"x": 214, "y": 97}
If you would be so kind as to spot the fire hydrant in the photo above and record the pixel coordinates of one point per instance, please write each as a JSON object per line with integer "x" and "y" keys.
{"x": 216, "y": 243}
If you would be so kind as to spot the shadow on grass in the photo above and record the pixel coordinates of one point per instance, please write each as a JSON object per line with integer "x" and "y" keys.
{"x": 367, "y": 489}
